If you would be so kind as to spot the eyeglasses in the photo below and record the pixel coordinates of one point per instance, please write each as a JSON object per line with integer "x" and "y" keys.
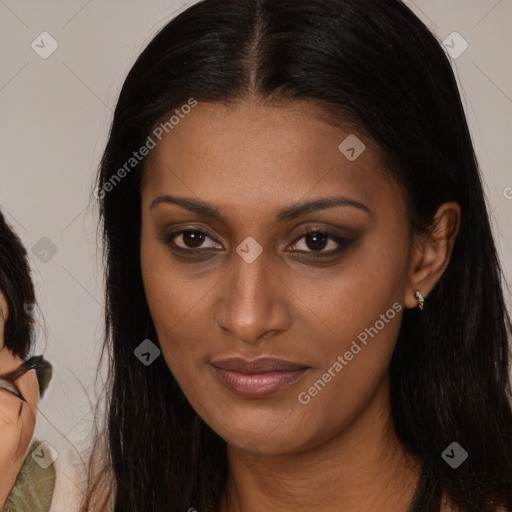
{"x": 44, "y": 372}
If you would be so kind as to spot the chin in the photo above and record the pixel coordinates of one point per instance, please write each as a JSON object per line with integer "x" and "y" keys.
{"x": 269, "y": 435}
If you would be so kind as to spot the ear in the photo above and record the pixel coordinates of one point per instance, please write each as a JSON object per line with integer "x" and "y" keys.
{"x": 431, "y": 253}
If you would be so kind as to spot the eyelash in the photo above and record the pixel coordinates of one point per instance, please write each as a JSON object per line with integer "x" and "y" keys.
{"x": 342, "y": 242}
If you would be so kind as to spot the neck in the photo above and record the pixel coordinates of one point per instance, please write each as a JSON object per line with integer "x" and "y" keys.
{"x": 362, "y": 468}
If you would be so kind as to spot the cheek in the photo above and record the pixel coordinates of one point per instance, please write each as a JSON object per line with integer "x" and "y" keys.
{"x": 354, "y": 354}
{"x": 357, "y": 312}
{"x": 176, "y": 304}
{"x": 345, "y": 300}
{"x": 365, "y": 306}
{"x": 363, "y": 311}
{"x": 355, "y": 362}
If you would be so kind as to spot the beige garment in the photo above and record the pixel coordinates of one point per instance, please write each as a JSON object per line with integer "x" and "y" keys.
{"x": 33, "y": 489}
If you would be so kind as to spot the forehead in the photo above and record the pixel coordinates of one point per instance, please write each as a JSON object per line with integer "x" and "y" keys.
{"x": 253, "y": 154}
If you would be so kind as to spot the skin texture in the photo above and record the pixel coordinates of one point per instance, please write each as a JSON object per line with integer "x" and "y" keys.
{"x": 339, "y": 451}
{"x": 17, "y": 419}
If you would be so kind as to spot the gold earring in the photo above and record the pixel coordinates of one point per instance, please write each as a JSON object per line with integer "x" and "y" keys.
{"x": 420, "y": 299}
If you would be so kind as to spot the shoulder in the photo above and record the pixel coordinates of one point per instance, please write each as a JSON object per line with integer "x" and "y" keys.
{"x": 70, "y": 481}
{"x": 34, "y": 485}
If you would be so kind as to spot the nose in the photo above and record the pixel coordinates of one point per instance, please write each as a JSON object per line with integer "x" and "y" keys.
{"x": 253, "y": 301}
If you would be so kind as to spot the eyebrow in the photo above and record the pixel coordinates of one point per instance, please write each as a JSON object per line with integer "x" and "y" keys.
{"x": 288, "y": 213}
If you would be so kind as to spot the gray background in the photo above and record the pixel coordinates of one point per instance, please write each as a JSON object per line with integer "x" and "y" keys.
{"x": 55, "y": 114}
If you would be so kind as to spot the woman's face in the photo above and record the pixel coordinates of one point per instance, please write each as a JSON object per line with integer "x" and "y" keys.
{"x": 253, "y": 280}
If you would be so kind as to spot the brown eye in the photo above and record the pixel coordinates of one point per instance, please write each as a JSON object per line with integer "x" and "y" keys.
{"x": 317, "y": 241}
{"x": 190, "y": 239}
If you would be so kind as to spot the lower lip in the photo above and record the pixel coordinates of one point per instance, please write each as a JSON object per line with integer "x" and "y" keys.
{"x": 257, "y": 385}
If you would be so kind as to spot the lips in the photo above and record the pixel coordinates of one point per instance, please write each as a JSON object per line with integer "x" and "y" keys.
{"x": 258, "y": 378}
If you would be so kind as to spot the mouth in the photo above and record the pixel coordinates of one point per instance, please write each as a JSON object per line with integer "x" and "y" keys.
{"x": 258, "y": 378}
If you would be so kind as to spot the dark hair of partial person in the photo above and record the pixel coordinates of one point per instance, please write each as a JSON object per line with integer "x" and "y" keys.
{"x": 18, "y": 290}
{"x": 373, "y": 66}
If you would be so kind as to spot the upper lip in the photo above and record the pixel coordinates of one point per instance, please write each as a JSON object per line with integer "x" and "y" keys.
{"x": 261, "y": 365}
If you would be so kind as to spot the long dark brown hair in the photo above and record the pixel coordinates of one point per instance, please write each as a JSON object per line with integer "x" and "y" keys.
{"x": 373, "y": 64}
{"x": 18, "y": 290}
